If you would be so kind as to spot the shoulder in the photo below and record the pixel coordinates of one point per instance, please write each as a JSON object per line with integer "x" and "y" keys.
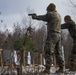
{"x": 72, "y": 23}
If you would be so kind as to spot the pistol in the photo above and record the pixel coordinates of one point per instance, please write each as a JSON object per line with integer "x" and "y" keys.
{"x": 31, "y": 14}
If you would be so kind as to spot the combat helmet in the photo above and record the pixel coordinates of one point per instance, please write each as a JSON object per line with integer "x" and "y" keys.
{"x": 67, "y": 17}
{"x": 51, "y": 7}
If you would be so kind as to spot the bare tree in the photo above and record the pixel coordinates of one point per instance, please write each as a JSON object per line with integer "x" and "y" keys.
{"x": 71, "y": 4}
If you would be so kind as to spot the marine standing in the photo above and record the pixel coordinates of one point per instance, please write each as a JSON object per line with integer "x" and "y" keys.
{"x": 71, "y": 26}
{"x": 53, "y": 40}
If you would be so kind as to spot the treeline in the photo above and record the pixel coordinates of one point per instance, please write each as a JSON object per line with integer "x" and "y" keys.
{"x": 18, "y": 39}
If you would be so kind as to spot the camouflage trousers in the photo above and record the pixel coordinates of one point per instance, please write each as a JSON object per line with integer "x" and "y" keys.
{"x": 53, "y": 45}
{"x": 73, "y": 56}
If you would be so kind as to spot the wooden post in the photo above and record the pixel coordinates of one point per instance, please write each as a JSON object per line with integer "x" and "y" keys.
{"x": 1, "y": 60}
{"x": 34, "y": 59}
{"x": 40, "y": 58}
{"x": 54, "y": 60}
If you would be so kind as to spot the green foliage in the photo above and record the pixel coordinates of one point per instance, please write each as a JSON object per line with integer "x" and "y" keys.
{"x": 17, "y": 44}
{"x": 25, "y": 43}
{"x": 28, "y": 43}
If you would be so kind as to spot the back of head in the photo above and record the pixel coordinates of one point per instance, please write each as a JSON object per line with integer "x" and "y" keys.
{"x": 67, "y": 17}
{"x": 51, "y": 7}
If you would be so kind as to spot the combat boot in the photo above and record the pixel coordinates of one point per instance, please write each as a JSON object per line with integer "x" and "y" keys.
{"x": 72, "y": 68}
{"x": 47, "y": 70}
{"x": 61, "y": 69}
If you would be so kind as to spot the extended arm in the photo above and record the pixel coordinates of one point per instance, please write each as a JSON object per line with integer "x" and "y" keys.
{"x": 45, "y": 17}
{"x": 65, "y": 26}
{"x": 41, "y": 17}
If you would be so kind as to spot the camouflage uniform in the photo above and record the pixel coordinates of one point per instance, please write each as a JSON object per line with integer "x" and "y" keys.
{"x": 71, "y": 26}
{"x": 53, "y": 41}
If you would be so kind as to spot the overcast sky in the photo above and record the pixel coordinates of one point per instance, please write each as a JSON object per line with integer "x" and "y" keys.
{"x": 13, "y": 10}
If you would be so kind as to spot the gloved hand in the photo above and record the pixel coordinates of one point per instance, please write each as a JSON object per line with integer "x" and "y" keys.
{"x": 34, "y": 16}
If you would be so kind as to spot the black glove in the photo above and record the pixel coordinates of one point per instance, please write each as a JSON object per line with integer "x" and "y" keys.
{"x": 34, "y": 16}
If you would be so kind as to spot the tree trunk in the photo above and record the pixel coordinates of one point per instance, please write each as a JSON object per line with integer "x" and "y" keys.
{"x": 19, "y": 70}
{"x": 19, "y": 67}
{"x": 24, "y": 58}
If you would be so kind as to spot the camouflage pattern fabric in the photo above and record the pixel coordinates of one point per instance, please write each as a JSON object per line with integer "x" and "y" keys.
{"x": 73, "y": 57}
{"x": 53, "y": 20}
{"x": 74, "y": 47}
{"x": 53, "y": 45}
{"x": 71, "y": 26}
{"x": 53, "y": 42}
{"x": 73, "y": 62}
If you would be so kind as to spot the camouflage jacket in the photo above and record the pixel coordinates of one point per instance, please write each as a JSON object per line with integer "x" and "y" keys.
{"x": 71, "y": 26}
{"x": 53, "y": 20}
